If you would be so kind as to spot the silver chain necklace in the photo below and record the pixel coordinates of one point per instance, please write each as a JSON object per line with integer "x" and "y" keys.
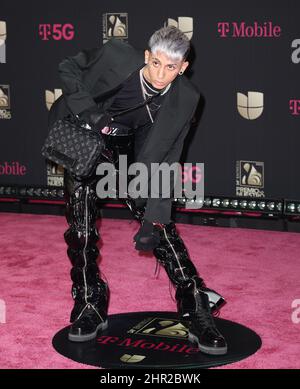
{"x": 144, "y": 91}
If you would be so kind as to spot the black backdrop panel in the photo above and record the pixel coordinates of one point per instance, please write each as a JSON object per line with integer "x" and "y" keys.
{"x": 222, "y": 67}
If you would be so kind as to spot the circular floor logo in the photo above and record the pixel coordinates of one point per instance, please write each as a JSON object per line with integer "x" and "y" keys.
{"x": 154, "y": 339}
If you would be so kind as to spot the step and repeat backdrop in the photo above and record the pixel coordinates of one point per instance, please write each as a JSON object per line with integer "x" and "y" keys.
{"x": 245, "y": 62}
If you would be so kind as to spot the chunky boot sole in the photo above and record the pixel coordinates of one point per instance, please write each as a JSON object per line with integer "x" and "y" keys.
{"x": 84, "y": 338}
{"x": 205, "y": 349}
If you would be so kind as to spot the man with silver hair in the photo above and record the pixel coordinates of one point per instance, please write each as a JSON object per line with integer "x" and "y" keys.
{"x": 115, "y": 78}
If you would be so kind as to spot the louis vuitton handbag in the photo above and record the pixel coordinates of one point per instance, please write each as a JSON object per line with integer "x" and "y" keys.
{"x": 75, "y": 145}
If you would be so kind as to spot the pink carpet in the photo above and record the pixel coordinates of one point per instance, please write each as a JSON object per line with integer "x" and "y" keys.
{"x": 257, "y": 271}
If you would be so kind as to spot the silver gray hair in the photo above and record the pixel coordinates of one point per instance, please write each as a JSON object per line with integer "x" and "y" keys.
{"x": 171, "y": 41}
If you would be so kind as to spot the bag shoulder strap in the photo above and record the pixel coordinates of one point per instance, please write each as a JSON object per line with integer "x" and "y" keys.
{"x": 148, "y": 100}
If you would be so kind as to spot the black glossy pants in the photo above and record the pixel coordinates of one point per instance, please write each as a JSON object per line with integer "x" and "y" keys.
{"x": 82, "y": 236}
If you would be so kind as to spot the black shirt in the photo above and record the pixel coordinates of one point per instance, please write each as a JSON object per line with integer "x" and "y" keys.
{"x": 139, "y": 120}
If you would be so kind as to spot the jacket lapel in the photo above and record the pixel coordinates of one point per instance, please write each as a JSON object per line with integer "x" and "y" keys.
{"x": 171, "y": 118}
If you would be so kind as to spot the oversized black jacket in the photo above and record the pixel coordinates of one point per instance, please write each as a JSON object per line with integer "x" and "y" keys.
{"x": 96, "y": 74}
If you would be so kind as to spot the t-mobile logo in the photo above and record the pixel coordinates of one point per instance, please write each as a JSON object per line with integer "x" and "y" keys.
{"x": 295, "y": 106}
{"x": 242, "y": 30}
{"x": 56, "y": 31}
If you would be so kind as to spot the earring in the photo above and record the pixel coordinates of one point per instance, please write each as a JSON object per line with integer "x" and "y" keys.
{"x": 181, "y": 72}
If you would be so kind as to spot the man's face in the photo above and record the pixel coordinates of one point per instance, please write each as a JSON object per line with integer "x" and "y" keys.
{"x": 161, "y": 70}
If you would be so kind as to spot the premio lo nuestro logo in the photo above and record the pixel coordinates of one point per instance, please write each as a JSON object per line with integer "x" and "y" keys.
{"x": 115, "y": 25}
{"x": 50, "y": 97}
{"x": 250, "y": 178}
{"x": 160, "y": 327}
{"x": 5, "y": 112}
{"x": 55, "y": 174}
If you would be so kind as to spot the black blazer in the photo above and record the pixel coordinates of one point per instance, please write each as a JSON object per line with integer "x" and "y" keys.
{"x": 96, "y": 74}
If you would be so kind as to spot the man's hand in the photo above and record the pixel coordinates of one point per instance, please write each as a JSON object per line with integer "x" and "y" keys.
{"x": 147, "y": 238}
{"x": 95, "y": 118}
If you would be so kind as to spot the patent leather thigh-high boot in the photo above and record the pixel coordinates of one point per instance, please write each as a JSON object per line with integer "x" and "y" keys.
{"x": 89, "y": 291}
{"x": 173, "y": 255}
{"x": 195, "y": 302}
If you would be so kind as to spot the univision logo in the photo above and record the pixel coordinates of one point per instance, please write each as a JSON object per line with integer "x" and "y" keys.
{"x": 184, "y": 23}
{"x": 127, "y": 358}
{"x": 250, "y": 106}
